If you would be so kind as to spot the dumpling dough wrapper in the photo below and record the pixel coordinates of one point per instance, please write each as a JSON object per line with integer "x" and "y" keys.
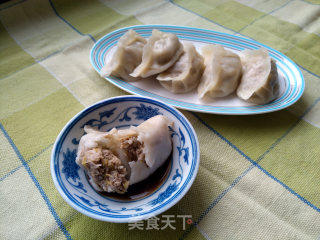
{"x": 126, "y": 58}
{"x": 222, "y": 73}
{"x": 259, "y": 83}
{"x": 185, "y": 74}
{"x": 161, "y": 52}
{"x": 116, "y": 159}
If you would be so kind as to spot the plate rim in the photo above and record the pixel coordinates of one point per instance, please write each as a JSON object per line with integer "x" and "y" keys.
{"x": 224, "y": 110}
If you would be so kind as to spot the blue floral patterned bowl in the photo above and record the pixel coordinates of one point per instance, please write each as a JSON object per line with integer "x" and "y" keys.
{"x": 121, "y": 112}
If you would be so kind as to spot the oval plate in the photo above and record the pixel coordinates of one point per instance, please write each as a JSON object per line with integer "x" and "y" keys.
{"x": 290, "y": 77}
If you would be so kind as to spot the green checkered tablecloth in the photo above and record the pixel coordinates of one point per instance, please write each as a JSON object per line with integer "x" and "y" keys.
{"x": 259, "y": 176}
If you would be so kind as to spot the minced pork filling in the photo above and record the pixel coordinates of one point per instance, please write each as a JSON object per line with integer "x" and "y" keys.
{"x": 106, "y": 170}
{"x": 133, "y": 148}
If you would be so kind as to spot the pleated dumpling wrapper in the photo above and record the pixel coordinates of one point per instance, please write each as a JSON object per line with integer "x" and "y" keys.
{"x": 126, "y": 58}
{"x": 116, "y": 159}
{"x": 259, "y": 83}
{"x": 222, "y": 73}
{"x": 185, "y": 74}
{"x": 161, "y": 52}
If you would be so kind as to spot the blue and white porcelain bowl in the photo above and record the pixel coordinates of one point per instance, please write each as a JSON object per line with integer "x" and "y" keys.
{"x": 121, "y": 112}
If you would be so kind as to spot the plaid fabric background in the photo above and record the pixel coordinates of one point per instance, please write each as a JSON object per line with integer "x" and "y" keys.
{"x": 259, "y": 176}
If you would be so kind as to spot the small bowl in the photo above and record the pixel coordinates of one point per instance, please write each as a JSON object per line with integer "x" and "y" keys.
{"x": 121, "y": 112}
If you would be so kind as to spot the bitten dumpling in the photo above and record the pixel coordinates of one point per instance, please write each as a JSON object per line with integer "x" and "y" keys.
{"x": 126, "y": 58}
{"x": 185, "y": 74}
{"x": 116, "y": 159}
{"x": 222, "y": 73}
{"x": 259, "y": 83}
{"x": 161, "y": 52}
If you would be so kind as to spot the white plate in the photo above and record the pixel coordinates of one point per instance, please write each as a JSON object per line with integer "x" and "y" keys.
{"x": 290, "y": 77}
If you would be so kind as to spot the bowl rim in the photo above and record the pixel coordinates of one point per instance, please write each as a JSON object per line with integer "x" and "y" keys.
{"x": 105, "y": 102}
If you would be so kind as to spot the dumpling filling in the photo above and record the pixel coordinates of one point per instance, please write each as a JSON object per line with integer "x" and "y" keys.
{"x": 133, "y": 148}
{"x": 106, "y": 170}
{"x": 116, "y": 159}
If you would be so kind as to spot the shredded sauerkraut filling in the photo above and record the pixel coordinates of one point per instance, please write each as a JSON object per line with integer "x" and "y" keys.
{"x": 106, "y": 170}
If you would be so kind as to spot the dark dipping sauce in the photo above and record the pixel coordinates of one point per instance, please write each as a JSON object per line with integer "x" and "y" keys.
{"x": 145, "y": 187}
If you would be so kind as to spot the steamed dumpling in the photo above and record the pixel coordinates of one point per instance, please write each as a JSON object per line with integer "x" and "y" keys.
{"x": 126, "y": 58}
{"x": 222, "y": 73}
{"x": 155, "y": 137}
{"x": 185, "y": 74}
{"x": 116, "y": 159}
{"x": 259, "y": 82}
{"x": 161, "y": 52}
